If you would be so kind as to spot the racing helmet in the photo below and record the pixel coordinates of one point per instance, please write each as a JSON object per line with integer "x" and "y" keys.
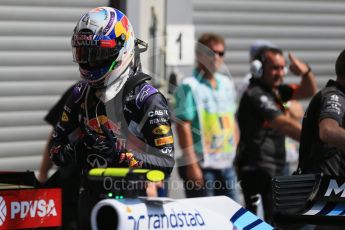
{"x": 103, "y": 45}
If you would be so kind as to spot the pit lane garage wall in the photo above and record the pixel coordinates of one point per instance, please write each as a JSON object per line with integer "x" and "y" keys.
{"x": 312, "y": 29}
{"x": 35, "y": 69}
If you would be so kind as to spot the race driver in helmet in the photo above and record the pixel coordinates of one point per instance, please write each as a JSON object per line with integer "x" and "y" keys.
{"x": 119, "y": 118}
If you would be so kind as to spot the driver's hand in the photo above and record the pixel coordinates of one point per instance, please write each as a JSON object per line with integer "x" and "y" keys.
{"x": 127, "y": 159}
{"x": 99, "y": 143}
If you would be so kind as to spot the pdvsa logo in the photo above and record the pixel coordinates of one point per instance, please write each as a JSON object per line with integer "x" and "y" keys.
{"x": 32, "y": 209}
{"x": 3, "y": 210}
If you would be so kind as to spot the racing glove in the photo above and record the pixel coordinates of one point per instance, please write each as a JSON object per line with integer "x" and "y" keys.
{"x": 104, "y": 145}
{"x": 127, "y": 159}
{"x": 63, "y": 155}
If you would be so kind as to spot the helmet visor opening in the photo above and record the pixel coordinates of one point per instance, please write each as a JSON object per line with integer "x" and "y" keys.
{"x": 98, "y": 65}
{"x": 87, "y": 54}
{"x": 88, "y": 48}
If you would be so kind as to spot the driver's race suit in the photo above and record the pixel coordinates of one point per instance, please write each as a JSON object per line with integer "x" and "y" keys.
{"x": 140, "y": 127}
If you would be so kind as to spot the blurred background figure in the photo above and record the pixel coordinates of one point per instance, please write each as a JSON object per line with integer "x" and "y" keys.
{"x": 322, "y": 147}
{"x": 67, "y": 176}
{"x": 206, "y": 126}
{"x": 264, "y": 122}
{"x": 294, "y": 107}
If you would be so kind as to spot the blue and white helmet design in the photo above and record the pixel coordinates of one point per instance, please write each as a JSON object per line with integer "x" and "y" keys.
{"x": 103, "y": 46}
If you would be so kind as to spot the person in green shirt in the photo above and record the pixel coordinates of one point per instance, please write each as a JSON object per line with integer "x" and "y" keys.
{"x": 205, "y": 106}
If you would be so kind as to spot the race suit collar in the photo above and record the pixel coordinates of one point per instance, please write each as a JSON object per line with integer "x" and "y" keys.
{"x": 112, "y": 90}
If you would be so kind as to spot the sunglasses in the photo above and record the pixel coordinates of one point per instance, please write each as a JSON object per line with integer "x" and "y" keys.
{"x": 212, "y": 53}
